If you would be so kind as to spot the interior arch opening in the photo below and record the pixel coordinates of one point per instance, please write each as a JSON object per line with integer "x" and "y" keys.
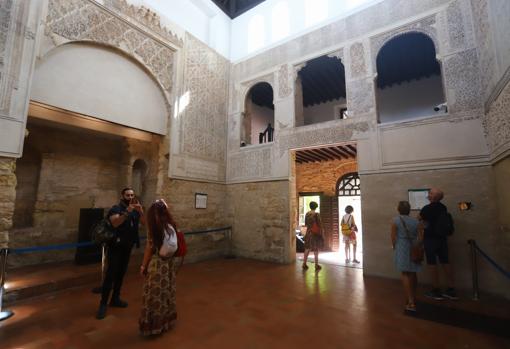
{"x": 258, "y": 117}
{"x": 409, "y": 79}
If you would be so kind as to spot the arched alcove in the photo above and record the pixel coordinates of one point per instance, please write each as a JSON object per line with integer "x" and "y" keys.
{"x": 258, "y": 116}
{"x": 102, "y": 82}
{"x": 409, "y": 79}
{"x": 320, "y": 93}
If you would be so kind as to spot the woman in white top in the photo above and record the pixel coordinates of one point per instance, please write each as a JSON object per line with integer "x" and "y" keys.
{"x": 349, "y": 230}
{"x": 158, "y": 308}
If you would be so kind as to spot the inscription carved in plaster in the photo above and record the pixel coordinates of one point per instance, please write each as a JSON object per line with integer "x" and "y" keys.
{"x": 284, "y": 89}
{"x": 204, "y": 119}
{"x": 249, "y": 164}
{"x": 85, "y": 20}
{"x": 498, "y": 122}
{"x": 357, "y": 58}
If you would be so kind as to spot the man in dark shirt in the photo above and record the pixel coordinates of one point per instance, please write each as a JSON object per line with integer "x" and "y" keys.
{"x": 125, "y": 218}
{"x": 436, "y": 246}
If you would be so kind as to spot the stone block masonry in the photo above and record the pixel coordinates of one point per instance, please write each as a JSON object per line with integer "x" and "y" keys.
{"x": 7, "y": 197}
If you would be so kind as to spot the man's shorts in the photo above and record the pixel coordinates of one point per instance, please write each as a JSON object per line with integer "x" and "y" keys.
{"x": 436, "y": 249}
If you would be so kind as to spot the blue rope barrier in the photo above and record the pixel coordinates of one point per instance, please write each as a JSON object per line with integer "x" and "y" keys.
{"x": 91, "y": 243}
{"x": 491, "y": 261}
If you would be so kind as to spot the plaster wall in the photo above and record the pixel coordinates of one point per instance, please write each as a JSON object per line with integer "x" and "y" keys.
{"x": 474, "y": 185}
{"x": 499, "y": 12}
{"x": 321, "y": 112}
{"x": 410, "y": 100}
{"x": 102, "y": 83}
{"x": 502, "y": 174}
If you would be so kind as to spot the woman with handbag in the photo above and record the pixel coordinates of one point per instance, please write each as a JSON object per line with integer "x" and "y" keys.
{"x": 406, "y": 238}
{"x": 314, "y": 239}
{"x": 164, "y": 243}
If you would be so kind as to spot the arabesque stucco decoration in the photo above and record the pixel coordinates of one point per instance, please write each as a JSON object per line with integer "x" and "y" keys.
{"x": 85, "y": 20}
{"x": 284, "y": 88}
{"x": 357, "y": 59}
{"x": 498, "y": 123}
{"x": 206, "y": 87}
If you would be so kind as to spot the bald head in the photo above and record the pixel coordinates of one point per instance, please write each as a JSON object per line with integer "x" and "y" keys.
{"x": 435, "y": 195}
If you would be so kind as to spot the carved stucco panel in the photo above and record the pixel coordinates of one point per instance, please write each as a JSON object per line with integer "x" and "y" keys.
{"x": 204, "y": 119}
{"x": 485, "y": 45}
{"x": 83, "y": 20}
{"x": 320, "y": 136}
{"x": 6, "y": 9}
{"x": 249, "y": 164}
{"x": 284, "y": 84}
{"x": 360, "y": 96}
{"x": 497, "y": 122}
{"x": 358, "y": 67}
{"x": 462, "y": 80}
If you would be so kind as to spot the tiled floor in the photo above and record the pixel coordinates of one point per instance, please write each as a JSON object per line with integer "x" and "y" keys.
{"x": 335, "y": 258}
{"x": 244, "y": 304}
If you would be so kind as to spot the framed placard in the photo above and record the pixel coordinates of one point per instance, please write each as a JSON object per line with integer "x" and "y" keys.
{"x": 418, "y": 198}
{"x": 200, "y": 200}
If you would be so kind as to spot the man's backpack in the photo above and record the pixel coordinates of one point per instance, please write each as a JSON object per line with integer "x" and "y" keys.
{"x": 103, "y": 232}
{"x": 444, "y": 225}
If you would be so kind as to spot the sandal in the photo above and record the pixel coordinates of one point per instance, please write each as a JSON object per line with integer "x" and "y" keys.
{"x": 411, "y": 307}
{"x": 305, "y": 266}
{"x": 318, "y": 267}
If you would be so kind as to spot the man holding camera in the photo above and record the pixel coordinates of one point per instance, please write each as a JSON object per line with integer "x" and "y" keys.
{"x": 125, "y": 217}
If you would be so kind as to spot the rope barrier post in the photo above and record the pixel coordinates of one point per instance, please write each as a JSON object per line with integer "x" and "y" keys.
{"x": 4, "y": 314}
{"x": 230, "y": 255}
{"x": 474, "y": 269}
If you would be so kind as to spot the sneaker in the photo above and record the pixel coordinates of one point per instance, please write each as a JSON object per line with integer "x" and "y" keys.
{"x": 356, "y": 261}
{"x": 434, "y": 294}
{"x": 304, "y": 267}
{"x": 347, "y": 260}
{"x": 450, "y": 294}
{"x": 318, "y": 267}
{"x": 118, "y": 303}
{"x": 411, "y": 307}
{"x": 101, "y": 312}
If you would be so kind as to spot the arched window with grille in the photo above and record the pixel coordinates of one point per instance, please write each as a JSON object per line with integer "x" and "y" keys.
{"x": 349, "y": 185}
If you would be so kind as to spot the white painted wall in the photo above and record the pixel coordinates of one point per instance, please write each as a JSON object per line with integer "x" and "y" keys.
{"x": 201, "y": 18}
{"x": 275, "y": 21}
{"x": 102, "y": 83}
{"x": 321, "y": 112}
{"x": 410, "y": 100}
{"x": 260, "y": 117}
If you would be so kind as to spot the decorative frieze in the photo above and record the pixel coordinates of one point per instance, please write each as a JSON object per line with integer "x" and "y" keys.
{"x": 357, "y": 60}
{"x": 497, "y": 123}
{"x": 84, "y": 20}
{"x": 284, "y": 86}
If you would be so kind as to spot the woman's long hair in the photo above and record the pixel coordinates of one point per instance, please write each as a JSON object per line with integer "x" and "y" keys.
{"x": 158, "y": 218}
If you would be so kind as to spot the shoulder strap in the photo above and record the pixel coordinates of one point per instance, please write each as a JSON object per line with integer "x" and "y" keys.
{"x": 405, "y": 228}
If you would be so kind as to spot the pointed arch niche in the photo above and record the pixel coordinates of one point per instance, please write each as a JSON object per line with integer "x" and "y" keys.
{"x": 409, "y": 81}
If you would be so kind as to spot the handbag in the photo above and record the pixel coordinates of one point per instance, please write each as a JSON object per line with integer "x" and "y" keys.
{"x": 103, "y": 232}
{"x": 416, "y": 252}
{"x": 182, "y": 249}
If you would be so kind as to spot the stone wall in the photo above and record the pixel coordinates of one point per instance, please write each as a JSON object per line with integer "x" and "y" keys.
{"x": 381, "y": 194}
{"x": 323, "y": 176}
{"x": 502, "y": 175}
{"x": 7, "y": 197}
{"x": 260, "y": 214}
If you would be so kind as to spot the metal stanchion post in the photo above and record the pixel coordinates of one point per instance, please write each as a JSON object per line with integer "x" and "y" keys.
{"x": 4, "y": 314}
{"x": 474, "y": 269}
{"x": 230, "y": 255}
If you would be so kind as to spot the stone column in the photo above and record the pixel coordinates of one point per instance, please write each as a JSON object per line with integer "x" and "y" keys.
{"x": 7, "y": 197}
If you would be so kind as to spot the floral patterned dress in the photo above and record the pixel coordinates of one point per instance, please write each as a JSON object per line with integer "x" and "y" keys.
{"x": 158, "y": 303}
{"x": 313, "y": 241}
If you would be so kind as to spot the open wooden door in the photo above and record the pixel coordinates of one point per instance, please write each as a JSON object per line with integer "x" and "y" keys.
{"x": 328, "y": 211}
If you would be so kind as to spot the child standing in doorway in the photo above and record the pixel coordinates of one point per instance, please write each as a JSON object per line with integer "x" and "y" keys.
{"x": 349, "y": 230}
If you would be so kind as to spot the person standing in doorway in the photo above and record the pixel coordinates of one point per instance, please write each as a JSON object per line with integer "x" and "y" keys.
{"x": 314, "y": 239}
{"x": 349, "y": 230}
{"x": 125, "y": 217}
{"x": 438, "y": 226}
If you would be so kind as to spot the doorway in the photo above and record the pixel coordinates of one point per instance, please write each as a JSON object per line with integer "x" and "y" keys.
{"x": 317, "y": 174}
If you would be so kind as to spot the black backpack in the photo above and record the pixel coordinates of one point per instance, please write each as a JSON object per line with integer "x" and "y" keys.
{"x": 443, "y": 226}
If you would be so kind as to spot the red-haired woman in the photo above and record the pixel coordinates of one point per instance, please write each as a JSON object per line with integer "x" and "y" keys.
{"x": 158, "y": 309}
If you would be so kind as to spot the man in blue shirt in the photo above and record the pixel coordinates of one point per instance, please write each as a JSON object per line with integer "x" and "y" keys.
{"x": 125, "y": 217}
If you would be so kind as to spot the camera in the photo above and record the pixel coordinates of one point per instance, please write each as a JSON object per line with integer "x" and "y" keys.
{"x": 442, "y": 107}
